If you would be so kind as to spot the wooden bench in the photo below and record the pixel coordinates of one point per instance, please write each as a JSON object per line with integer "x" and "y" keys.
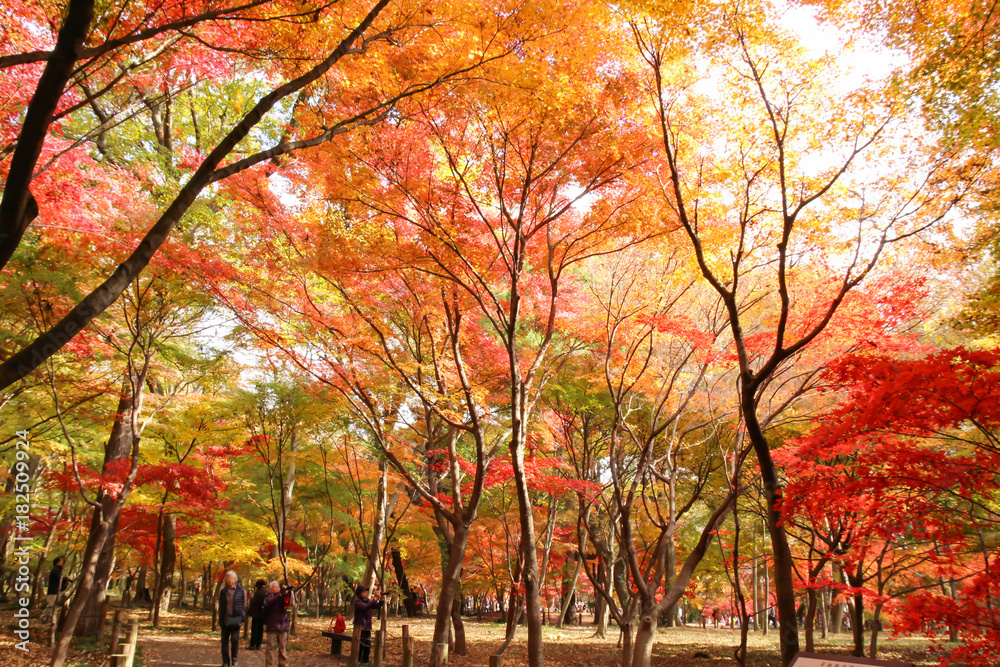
{"x": 337, "y": 640}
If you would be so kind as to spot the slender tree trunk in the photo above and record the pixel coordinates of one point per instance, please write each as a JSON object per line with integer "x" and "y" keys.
{"x": 529, "y": 557}
{"x": 784, "y": 583}
{"x": 824, "y": 613}
{"x": 118, "y": 447}
{"x": 858, "y": 619}
{"x": 101, "y": 527}
{"x": 741, "y": 606}
{"x": 571, "y": 591}
{"x": 671, "y": 571}
{"x": 206, "y": 580}
{"x": 604, "y": 618}
{"x": 876, "y": 619}
{"x": 628, "y": 647}
{"x": 183, "y": 585}
{"x": 767, "y": 598}
{"x": 404, "y": 584}
{"x": 168, "y": 558}
{"x": 810, "y": 619}
{"x": 838, "y": 609}
{"x": 378, "y": 528}
{"x": 459, "y": 646}
{"x": 141, "y": 589}
{"x": 601, "y": 610}
{"x": 449, "y": 589}
{"x": 953, "y": 636}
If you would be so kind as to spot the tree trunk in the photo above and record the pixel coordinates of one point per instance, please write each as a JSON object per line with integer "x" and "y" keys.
{"x": 824, "y": 613}
{"x": 458, "y": 626}
{"x": 449, "y": 588}
{"x": 953, "y": 628}
{"x": 810, "y": 619}
{"x": 571, "y": 591}
{"x": 858, "y": 619}
{"x": 784, "y": 583}
{"x": 837, "y": 620}
{"x": 168, "y": 558}
{"x": 873, "y": 646}
{"x": 409, "y": 601}
{"x": 378, "y": 528}
{"x": 206, "y": 580}
{"x": 529, "y": 567}
{"x": 118, "y": 447}
{"x": 628, "y": 648}
{"x": 670, "y": 555}
{"x": 767, "y": 599}
{"x": 141, "y": 589}
{"x": 183, "y": 585}
{"x": 100, "y": 529}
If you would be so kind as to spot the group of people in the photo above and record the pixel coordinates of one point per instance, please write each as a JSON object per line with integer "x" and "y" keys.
{"x": 268, "y": 609}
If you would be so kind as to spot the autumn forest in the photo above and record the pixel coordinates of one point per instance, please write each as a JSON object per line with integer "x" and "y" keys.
{"x": 673, "y": 325}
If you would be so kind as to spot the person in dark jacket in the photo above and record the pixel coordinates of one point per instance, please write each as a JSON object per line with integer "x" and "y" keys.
{"x": 55, "y": 579}
{"x": 232, "y": 605}
{"x": 276, "y": 614}
{"x": 363, "y": 606}
{"x": 256, "y": 613}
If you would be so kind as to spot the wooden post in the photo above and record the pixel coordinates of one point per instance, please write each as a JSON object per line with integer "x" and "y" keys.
{"x": 408, "y": 646}
{"x": 441, "y": 659}
{"x": 407, "y": 660}
{"x": 116, "y": 630}
{"x": 126, "y": 655}
{"x": 379, "y": 644}
{"x": 377, "y": 649}
{"x": 496, "y": 661}
{"x": 355, "y": 645}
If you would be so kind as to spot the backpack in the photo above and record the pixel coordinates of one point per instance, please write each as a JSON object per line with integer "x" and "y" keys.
{"x": 339, "y": 625}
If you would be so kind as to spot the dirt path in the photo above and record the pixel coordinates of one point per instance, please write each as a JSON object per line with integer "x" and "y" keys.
{"x": 176, "y": 650}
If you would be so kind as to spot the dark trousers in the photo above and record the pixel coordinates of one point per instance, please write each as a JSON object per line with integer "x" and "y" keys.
{"x": 256, "y": 632}
{"x": 230, "y": 644}
{"x": 365, "y": 646}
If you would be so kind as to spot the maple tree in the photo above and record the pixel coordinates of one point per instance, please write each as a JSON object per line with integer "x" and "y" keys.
{"x": 516, "y": 305}
{"x": 908, "y": 446}
{"x": 19, "y": 206}
{"x": 784, "y": 207}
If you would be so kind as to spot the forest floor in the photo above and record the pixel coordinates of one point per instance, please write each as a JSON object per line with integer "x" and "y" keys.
{"x": 183, "y": 640}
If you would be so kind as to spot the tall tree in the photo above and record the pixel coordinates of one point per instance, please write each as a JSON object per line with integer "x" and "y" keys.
{"x": 779, "y": 212}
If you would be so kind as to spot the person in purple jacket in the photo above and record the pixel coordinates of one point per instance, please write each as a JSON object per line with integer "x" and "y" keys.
{"x": 276, "y": 606}
{"x": 363, "y": 606}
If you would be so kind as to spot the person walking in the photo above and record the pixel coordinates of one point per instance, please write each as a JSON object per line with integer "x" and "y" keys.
{"x": 257, "y": 615}
{"x": 363, "y": 606}
{"x": 276, "y": 606}
{"x": 232, "y": 604}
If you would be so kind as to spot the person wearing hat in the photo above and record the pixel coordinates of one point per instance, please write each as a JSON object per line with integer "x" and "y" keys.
{"x": 364, "y": 604}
